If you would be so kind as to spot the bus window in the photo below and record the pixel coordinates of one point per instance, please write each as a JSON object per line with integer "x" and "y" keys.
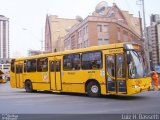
{"x": 31, "y": 65}
{"x": 136, "y": 65}
{"x": 52, "y": 66}
{"x": 58, "y": 66}
{"x": 111, "y": 65}
{"x": 19, "y": 68}
{"x": 120, "y": 66}
{"x": 12, "y": 67}
{"x": 42, "y": 65}
{"x": 92, "y": 60}
{"x": 25, "y": 66}
{"x": 71, "y": 62}
{"x": 55, "y": 65}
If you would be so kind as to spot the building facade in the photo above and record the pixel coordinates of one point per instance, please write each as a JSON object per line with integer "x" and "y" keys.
{"x": 4, "y": 39}
{"x": 114, "y": 26}
{"x": 55, "y": 30}
{"x": 153, "y": 32}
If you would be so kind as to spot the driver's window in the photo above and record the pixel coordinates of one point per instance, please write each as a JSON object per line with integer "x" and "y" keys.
{"x": 132, "y": 69}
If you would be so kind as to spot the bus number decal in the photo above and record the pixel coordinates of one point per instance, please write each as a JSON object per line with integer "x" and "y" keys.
{"x": 115, "y": 50}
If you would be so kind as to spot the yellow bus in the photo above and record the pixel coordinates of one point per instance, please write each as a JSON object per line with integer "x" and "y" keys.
{"x": 2, "y": 77}
{"x": 114, "y": 69}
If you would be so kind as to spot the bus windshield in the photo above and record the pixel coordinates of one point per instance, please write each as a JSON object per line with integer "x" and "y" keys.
{"x": 137, "y": 65}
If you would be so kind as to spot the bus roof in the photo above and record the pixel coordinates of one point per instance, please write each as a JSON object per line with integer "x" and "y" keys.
{"x": 101, "y": 47}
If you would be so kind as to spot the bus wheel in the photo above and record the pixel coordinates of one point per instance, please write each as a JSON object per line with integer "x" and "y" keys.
{"x": 28, "y": 86}
{"x": 93, "y": 89}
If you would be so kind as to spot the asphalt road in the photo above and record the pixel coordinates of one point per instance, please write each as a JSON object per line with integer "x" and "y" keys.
{"x": 17, "y": 101}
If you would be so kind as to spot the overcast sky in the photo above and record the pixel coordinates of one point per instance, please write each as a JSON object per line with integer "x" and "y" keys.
{"x": 27, "y": 17}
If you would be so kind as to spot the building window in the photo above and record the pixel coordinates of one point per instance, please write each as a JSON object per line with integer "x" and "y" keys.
{"x": 80, "y": 33}
{"x": 100, "y": 41}
{"x": 119, "y": 34}
{"x": 105, "y": 28}
{"x": 106, "y": 41}
{"x": 125, "y": 36}
{"x": 99, "y": 27}
{"x": 92, "y": 60}
{"x": 86, "y": 29}
{"x": 71, "y": 62}
{"x": 87, "y": 43}
{"x": 42, "y": 65}
{"x": 31, "y": 65}
{"x": 111, "y": 14}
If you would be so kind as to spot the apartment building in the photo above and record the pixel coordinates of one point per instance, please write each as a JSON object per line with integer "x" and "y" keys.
{"x": 114, "y": 26}
{"x": 153, "y": 34}
{"x": 4, "y": 39}
{"x": 55, "y": 30}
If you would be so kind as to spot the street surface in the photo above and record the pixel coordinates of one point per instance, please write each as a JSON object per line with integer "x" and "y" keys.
{"x": 17, "y": 101}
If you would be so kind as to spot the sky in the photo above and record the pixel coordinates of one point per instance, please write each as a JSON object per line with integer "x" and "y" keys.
{"x": 27, "y": 17}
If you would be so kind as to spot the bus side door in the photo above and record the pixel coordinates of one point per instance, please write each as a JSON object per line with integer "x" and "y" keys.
{"x": 55, "y": 74}
{"x": 19, "y": 76}
{"x": 115, "y": 73}
{"x": 110, "y": 74}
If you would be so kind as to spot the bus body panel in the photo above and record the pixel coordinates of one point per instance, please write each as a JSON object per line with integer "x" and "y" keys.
{"x": 62, "y": 80}
{"x": 138, "y": 85}
{"x": 41, "y": 86}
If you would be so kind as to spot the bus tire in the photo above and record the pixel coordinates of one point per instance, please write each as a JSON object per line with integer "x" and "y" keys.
{"x": 93, "y": 89}
{"x": 28, "y": 86}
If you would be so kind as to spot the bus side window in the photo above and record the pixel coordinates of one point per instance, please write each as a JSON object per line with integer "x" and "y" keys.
{"x": 12, "y": 67}
{"x": 92, "y": 60}
{"x": 71, "y": 62}
{"x": 31, "y": 65}
{"x": 25, "y": 66}
{"x": 42, "y": 65}
{"x": 17, "y": 68}
{"x": 120, "y": 66}
{"x": 58, "y": 66}
{"x": 20, "y": 68}
{"x": 52, "y": 66}
{"x": 111, "y": 65}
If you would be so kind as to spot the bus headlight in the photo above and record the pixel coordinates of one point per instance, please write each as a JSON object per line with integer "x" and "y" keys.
{"x": 135, "y": 86}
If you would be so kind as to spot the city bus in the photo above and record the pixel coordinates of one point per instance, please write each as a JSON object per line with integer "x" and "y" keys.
{"x": 113, "y": 69}
{"x": 2, "y": 77}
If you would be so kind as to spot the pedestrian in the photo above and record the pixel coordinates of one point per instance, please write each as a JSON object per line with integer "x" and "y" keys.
{"x": 155, "y": 80}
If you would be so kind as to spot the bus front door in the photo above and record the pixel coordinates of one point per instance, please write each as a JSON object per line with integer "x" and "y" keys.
{"x": 19, "y": 79}
{"x": 55, "y": 75}
{"x": 115, "y": 74}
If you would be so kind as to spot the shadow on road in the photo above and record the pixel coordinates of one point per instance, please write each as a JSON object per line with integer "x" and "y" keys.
{"x": 6, "y": 88}
{"x": 116, "y": 97}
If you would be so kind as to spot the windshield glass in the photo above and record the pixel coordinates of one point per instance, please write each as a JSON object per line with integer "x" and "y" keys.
{"x": 137, "y": 65}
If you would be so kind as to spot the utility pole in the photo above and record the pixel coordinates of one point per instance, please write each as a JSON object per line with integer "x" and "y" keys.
{"x": 145, "y": 39}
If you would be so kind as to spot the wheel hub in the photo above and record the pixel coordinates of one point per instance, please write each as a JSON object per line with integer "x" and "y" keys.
{"x": 94, "y": 89}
